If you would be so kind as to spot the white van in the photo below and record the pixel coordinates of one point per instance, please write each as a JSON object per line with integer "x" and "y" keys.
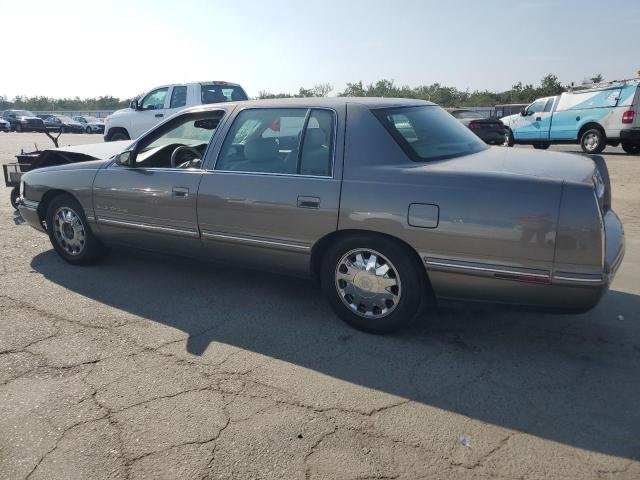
{"x": 162, "y": 102}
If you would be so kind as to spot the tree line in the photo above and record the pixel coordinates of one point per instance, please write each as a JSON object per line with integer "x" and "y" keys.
{"x": 437, "y": 93}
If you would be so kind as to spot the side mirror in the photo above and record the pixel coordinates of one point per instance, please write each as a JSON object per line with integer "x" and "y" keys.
{"x": 523, "y": 112}
{"x": 133, "y": 104}
{"x": 124, "y": 159}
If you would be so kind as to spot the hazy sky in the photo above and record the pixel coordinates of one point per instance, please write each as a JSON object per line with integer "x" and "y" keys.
{"x": 64, "y": 48}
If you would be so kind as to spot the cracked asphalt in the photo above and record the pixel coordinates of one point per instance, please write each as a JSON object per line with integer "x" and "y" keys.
{"x": 147, "y": 366}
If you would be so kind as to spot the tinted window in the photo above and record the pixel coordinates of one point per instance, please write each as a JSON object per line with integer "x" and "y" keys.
{"x": 221, "y": 93}
{"x": 465, "y": 114}
{"x": 549, "y": 105}
{"x": 429, "y": 133}
{"x": 178, "y": 97}
{"x": 155, "y": 99}
{"x": 272, "y": 141}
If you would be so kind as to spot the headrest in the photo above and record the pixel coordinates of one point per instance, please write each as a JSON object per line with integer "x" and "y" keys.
{"x": 314, "y": 137}
{"x": 261, "y": 149}
{"x": 213, "y": 96}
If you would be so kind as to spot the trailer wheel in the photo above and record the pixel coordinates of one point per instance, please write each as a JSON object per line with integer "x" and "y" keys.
{"x": 15, "y": 194}
{"x": 631, "y": 149}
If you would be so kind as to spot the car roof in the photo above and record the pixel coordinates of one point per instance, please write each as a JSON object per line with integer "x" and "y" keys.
{"x": 326, "y": 102}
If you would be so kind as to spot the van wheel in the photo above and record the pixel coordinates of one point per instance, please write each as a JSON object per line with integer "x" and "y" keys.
{"x": 372, "y": 283}
{"x": 119, "y": 135}
{"x": 70, "y": 233}
{"x": 631, "y": 149}
{"x": 593, "y": 141}
{"x": 541, "y": 146}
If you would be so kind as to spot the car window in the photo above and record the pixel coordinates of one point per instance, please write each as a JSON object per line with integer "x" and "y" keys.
{"x": 536, "y": 106}
{"x": 178, "y": 97}
{"x": 221, "y": 93}
{"x": 466, "y": 114}
{"x": 155, "y": 99}
{"x": 317, "y": 144}
{"x": 428, "y": 133}
{"x": 549, "y": 105}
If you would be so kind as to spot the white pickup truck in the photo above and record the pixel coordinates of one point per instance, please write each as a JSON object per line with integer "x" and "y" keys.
{"x": 162, "y": 102}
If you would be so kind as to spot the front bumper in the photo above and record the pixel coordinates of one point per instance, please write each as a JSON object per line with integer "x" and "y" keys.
{"x": 5, "y": 128}
{"x": 29, "y": 212}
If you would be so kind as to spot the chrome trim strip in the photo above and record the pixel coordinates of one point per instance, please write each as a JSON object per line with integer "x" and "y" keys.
{"x": 150, "y": 228}
{"x": 564, "y": 278}
{"x": 484, "y": 269}
{"x": 90, "y": 218}
{"x": 250, "y": 240}
{"x": 242, "y": 172}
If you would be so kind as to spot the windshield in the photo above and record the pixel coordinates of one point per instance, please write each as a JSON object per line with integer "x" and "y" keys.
{"x": 23, "y": 113}
{"x": 429, "y": 133}
{"x": 64, "y": 118}
{"x": 191, "y": 133}
{"x": 466, "y": 114}
{"x": 92, "y": 120}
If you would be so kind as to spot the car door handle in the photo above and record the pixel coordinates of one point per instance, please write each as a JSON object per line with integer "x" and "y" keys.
{"x": 159, "y": 115}
{"x": 308, "y": 202}
{"x": 538, "y": 119}
{"x": 180, "y": 192}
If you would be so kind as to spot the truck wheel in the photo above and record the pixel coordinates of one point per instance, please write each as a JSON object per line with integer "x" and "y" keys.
{"x": 508, "y": 138}
{"x": 541, "y": 146}
{"x": 18, "y": 127}
{"x": 70, "y": 233}
{"x": 87, "y": 130}
{"x": 372, "y": 283}
{"x": 15, "y": 193}
{"x": 119, "y": 135}
{"x": 592, "y": 141}
{"x": 631, "y": 149}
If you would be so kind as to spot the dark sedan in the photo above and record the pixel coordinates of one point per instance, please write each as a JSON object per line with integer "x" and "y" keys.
{"x": 63, "y": 123}
{"x": 490, "y": 130}
{"x": 23, "y": 121}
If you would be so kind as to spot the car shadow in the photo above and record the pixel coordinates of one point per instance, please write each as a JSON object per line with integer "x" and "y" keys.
{"x": 571, "y": 379}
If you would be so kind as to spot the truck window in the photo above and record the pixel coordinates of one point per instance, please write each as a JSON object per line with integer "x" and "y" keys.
{"x": 549, "y": 105}
{"x": 536, "y": 107}
{"x": 221, "y": 93}
{"x": 178, "y": 97}
{"x": 155, "y": 99}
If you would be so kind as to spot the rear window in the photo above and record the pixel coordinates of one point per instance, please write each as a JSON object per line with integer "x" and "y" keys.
{"x": 466, "y": 114}
{"x": 222, "y": 93}
{"x": 428, "y": 133}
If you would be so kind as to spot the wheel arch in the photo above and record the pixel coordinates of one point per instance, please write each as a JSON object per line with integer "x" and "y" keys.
{"x": 588, "y": 125}
{"x": 114, "y": 130}
{"x": 46, "y": 199}
{"x": 320, "y": 247}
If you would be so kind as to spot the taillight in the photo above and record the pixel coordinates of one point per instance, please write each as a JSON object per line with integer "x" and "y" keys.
{"x": 627, "y": 117}
{"x": 474, "y": 125}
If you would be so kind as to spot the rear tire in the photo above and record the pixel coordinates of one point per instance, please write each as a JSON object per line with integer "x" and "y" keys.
{"x": 508, "y": 138}
{"x": 631, "y": 149}
{"x": 593, "y": 141}
{"x": 70, "y": 233}
{"x": 379, "y": 295}
{"x": 18, "y": 128}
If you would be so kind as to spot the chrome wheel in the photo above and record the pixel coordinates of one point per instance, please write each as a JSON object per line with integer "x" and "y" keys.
{"x": 68, "y": 230}
{"x": 368, "y": 283}
{"x": 591, "y": 141}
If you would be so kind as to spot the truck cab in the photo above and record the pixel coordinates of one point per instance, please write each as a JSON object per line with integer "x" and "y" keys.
{"x": 164, "y": 101}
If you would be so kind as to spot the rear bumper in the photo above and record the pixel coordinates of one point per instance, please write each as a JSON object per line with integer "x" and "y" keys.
{"x": 630, "y": 135}
{"x": 492, "y": 137}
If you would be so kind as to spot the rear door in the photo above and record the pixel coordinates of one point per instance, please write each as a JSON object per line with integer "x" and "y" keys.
{"x": 272, "y": 188}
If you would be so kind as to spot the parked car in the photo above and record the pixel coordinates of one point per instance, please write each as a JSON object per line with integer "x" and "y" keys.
{"x": 162, "y": 102}
{"x": 23, "y": 121}
{"x": 61, "y": 122}
{"x": 4, "y": 125}
{"x": 597, "y": 116}
{"x": 490, "y": 130}
{"x": 90, "y": 124}
{"x": 384, "y": 200}
{"x": 505, "y": 110}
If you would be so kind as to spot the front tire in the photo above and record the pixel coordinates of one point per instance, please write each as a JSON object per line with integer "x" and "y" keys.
{"x": 69, "y": 232}
{"x": 631, "y": 149}
{"x": 593, "y": 141}
{"x": 87, "y": 130}
{"x": 373, "y": 283}
{"x": 119, "y": 135}
{"x": 15, "y": 193}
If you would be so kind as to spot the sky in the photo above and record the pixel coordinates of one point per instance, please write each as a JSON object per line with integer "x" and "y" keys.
{"x": 68, "y": 48}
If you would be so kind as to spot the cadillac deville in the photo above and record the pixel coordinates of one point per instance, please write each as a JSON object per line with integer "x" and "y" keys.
{"x": 385, "y": 201}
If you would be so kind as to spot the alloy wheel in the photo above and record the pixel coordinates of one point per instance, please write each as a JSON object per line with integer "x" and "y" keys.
{"x": 69, "y": 230}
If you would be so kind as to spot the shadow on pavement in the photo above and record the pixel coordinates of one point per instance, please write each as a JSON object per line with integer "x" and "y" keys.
{"x": 570, "y": 379}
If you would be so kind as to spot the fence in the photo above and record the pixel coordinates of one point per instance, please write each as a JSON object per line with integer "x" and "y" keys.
{"x": 73, "y": 113}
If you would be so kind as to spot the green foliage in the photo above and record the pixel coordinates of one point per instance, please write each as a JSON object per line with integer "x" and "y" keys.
{"x": 318, "y": 90}
{"x": 597, "y": 78}
{"x": 47, "y": 103}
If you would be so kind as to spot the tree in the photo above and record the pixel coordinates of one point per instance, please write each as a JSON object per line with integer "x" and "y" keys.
{"x": 597, "y": 78}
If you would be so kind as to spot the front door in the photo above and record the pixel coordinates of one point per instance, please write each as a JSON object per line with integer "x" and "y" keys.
{"x": 150, "y": 200}
{"x": 527, "y": 126}
{"x": 151, "y": 111}
{"x": 272, "y": 188}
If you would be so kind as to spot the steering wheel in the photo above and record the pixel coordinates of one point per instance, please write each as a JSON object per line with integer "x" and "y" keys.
{"x": 185, "y": 148}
